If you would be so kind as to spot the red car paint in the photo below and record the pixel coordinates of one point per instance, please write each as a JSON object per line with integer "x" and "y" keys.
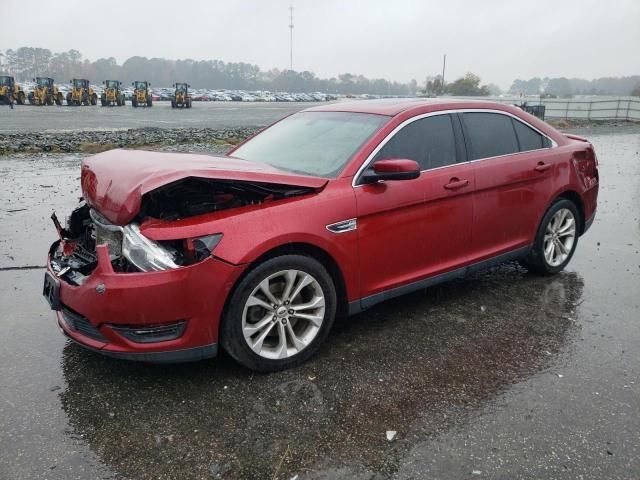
{"x": 407, "y": 231}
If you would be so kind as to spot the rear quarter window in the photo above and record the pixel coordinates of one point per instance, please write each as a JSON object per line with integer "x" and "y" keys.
{"x": 528, "y": 138}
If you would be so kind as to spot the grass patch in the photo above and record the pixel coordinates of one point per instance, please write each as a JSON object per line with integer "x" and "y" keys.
{"x": 95, "y": 147}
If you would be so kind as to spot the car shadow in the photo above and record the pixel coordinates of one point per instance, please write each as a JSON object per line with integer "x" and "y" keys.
{"x": 418, "y": 365}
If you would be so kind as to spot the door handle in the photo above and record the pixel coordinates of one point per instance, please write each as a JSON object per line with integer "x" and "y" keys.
{"x": 456, "y": 183}
{"x": 543, "y": 167}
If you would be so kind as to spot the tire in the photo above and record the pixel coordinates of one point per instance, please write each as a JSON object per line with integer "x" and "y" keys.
{"x": 31, "y": 98}
{"x": 149, "y": 102}
{"x": 49, "y": 100}
{"x": 134, "y": 103}
{"x": 20, "y": 99}
{"x": 173, "y": 104}
{"x": 68, "y": 98}
{"x": 277, "y": 350}
{"x": 59, "y": 99}
{"x": 557, "y": 234}
{"x": 94, "y": 99}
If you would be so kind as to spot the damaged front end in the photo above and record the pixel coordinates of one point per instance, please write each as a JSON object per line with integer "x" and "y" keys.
{"x": 73, "y": 257}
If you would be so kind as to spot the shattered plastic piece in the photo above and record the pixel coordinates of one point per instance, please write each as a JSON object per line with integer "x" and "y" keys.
{"x": 391, "y": 434}
{"x": 476, "y": 472}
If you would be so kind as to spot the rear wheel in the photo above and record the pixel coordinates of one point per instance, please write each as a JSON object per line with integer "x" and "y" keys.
{"x": 94, "y": 99}
{"x": 20, "y": 99}
{"x": 31, "y": 98}
{"x": 149, "y": 102}
{"x": 59, "y": 99}
{"x": 556, "y": 239}
{"x": 279, "y": 313}
{"x": 134, "y": 102}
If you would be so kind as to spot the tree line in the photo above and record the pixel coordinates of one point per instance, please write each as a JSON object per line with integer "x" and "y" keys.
{"x": 567, "y": 87}
{"x": 26, "y": 62}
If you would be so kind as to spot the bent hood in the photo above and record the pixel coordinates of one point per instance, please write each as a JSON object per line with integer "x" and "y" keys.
{"x": 114, "y": 182}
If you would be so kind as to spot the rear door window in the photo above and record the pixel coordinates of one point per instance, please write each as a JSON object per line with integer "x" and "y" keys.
{"x": 528, "y": 138}
{"x": 429, "y": 141}
{"x": 490, "y": 134}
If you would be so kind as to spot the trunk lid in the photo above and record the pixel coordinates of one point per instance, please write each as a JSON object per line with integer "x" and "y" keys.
{"x": 114, "y": 182}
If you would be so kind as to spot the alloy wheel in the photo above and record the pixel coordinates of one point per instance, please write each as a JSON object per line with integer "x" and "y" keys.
{"x": 283, "y": 314}
{"x": 559, "y": 237}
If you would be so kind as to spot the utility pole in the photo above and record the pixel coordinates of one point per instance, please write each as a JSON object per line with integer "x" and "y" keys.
{"x": 444, "y": 64}
{"x": 291, "y": 37}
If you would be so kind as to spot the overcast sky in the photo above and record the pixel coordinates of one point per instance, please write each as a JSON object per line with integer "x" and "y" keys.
{"x": 394, "y": 39}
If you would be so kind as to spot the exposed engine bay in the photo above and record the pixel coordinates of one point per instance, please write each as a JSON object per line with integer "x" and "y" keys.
{"x": 196, "y": 196}
{"x": 74, "y": 257}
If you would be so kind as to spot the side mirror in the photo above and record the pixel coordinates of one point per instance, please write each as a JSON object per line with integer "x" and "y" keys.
{"x": 391, "y": 169}
{"x": 33, "y": 79}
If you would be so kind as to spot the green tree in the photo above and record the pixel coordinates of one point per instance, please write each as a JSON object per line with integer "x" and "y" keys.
{"x": 469, "y": 85}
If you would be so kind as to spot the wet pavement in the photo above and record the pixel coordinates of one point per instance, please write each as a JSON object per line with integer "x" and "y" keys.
{"x": 502, "y": 375}
{"x": 29, "y": 118}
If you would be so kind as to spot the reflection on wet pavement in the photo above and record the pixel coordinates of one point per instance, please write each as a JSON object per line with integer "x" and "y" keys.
{"x": 418, "y": 365}
{"x": 500, "y": 375}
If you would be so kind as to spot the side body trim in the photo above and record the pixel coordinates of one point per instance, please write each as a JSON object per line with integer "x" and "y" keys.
{"x": 364, "y": 303}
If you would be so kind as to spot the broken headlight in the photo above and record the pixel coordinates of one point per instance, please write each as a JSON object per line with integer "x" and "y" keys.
{"x": 144, "y": 253}
{"x": 149, "y": 255}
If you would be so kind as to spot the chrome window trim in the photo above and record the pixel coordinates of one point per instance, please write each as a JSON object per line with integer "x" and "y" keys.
{"x": 368, "y": 160}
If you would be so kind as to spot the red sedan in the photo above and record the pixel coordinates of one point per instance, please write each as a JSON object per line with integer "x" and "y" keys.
{"x": 327, "y": 212}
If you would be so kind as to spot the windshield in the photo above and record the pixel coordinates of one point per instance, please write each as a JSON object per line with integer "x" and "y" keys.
{"x": 42, "y": 82}
{"x": 141, "y": 85}
{"x": 312, "y": 143}
{"x": 5, "y": 81}
{"x": 79, "y": 83}
{"x": 181, "y": 87}
{"x": 112, "y": 84}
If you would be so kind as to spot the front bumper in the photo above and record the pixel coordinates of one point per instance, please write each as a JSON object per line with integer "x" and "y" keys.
{"x": 90, "y": 314}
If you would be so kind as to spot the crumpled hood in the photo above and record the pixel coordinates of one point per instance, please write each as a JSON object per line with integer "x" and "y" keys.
{"x": 114, "y": 182}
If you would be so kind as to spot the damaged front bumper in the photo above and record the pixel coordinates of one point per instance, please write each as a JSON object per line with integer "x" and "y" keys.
{"x": 164, "y": 316}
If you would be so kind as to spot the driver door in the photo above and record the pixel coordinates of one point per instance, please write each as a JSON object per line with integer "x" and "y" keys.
{"x": 412, "y": 229}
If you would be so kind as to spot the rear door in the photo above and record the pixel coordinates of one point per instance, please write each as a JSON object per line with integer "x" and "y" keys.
{"x": 513, "y": 168}
{"x": 408, "y": 230}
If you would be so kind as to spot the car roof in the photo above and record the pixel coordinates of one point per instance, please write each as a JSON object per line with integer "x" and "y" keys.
{"x": 394, "y": 106}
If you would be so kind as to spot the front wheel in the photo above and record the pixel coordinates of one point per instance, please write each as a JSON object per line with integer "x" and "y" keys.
{"x": 279, "y": 313}
{"x": 556, "y": 239}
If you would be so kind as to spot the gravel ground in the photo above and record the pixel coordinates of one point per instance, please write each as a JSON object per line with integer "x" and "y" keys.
{"x": 214, "y": 115}
{"x": 503, "y": 375}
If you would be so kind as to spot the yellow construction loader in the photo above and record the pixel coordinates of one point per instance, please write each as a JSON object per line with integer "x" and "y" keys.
{"x": 112, "y": 94}
{"x": 45, "y": 92}
{"x": 10, "y": 91}
{"x": 181, "y": 97}
{"x": 141, "y": 94}
{"x": 81, "y": 93}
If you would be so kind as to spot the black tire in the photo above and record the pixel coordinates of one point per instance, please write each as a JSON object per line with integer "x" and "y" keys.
{"x": 94, "y": 99}
{"x": 536, "y": 261}
{"x": 149, "y": 102}
{"x": 68, "y": 98}
{"x": 20, "y": 99}
{"x": 231, "y": 335}
{"x": 134, "y": 103}
{"x": 173, "y": 104}
{"x": 103, "y": 100}
{"x": 59, "y": 99}
{"x": 31, "y": 98}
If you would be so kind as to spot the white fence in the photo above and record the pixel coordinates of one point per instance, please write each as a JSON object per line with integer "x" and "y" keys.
{"x": 585, "y": 108}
